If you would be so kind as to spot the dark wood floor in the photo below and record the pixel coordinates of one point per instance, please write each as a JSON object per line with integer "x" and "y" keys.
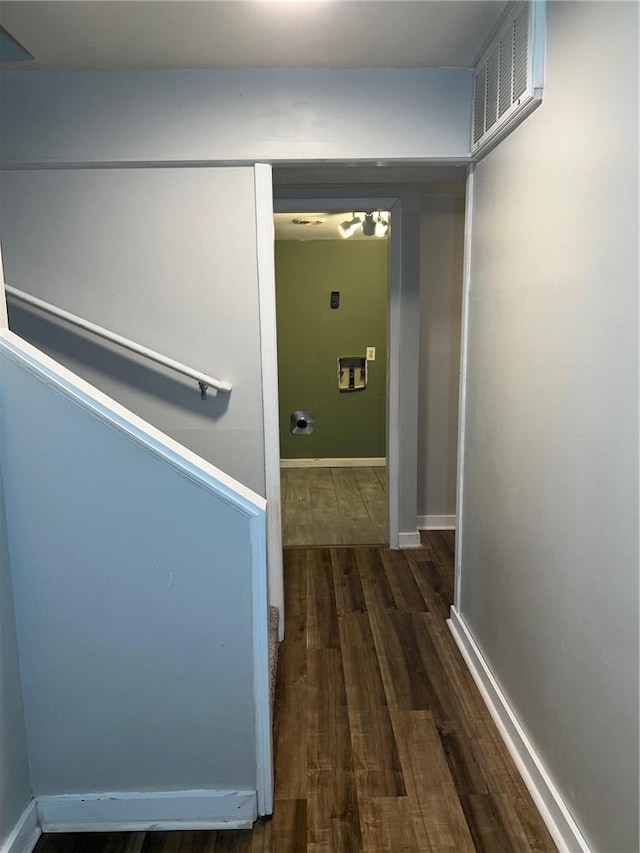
{"x": 382, "y": 741}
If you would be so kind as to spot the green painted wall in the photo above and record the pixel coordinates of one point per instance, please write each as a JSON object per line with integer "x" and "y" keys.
{"x": 311, "y": 336}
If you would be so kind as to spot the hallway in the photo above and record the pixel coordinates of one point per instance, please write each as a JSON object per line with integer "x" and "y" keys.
{"x": 382, "y": 741}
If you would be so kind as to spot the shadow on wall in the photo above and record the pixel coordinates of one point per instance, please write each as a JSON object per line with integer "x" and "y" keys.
{"x": 88, "y": 356}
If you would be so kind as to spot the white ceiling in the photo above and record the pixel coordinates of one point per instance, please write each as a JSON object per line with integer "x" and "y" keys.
{"x": 315, "y": 225}
{"x": 154, "y": 34}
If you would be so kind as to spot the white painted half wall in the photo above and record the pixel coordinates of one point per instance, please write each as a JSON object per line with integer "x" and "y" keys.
{"x": 137, "y": 586}
{"x": 549, "y": 539}
{"x": 15, "y": 782}
{"x": 242, "y": 115}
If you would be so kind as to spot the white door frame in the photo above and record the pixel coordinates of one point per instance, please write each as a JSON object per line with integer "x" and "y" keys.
{"x": 269, "y": 359}
{"x": 393, "y": 204}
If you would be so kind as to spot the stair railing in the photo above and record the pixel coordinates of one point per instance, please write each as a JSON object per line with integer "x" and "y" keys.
{"x": 203, "y": 379}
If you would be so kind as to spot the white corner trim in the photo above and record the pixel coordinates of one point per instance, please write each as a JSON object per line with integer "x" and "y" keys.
{"x": 131, "y": 811}
{"x": 335, "y": 462}
{"x": 554, "y": 812}
{"x": 394, "y": 369}
{"x": 25, "y": 834}
{"x": 409, "y": 539}
{"x": 462, "y": 390}
{"x": 436, "y": 522}
{"x": 266, "y": 540}
{"x": 4, "y": 317}
{"x": 263, "y": 191}
{"x": 261, "y": 675}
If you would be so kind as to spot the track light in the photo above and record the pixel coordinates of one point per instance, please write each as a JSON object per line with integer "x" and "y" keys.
{"x": 375, "y": 223}
{"x": 348, "y": 227}
{"x": 381, "y": 226}
{"x": 368, "y": 226}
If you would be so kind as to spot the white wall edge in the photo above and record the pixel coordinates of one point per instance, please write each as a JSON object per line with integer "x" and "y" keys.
{"x": 127, "y": 811}
{"x": 549, "y": 802}
{"x": 462, "y": 393}
{"x": 436, "y": 522}
{"x": 335, "y": 462}
{"x": 133, "y": 427}
{"x": 265, "y": 259}
{"x": 25, "y": 834}
{"x": 261, "y": 674}
{"x": 4, "y": 315}
{"x": 409, "y": 539}
{"x": 393, "y": 373}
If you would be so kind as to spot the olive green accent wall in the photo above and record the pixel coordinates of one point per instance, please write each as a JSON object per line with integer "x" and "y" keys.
{"x": 311, "y": 336}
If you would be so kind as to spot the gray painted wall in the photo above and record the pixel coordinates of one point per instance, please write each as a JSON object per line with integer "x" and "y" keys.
{"x": 550, "y": 531}
{"x": 441, "y": 254}
{"x": 136, "y": 649}
{"x": 166, "y": 257}
{"x": 15, "y": 784}
{"x": 275, "y": 115}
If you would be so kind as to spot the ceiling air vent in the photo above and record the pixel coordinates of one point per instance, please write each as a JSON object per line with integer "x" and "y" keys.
{"x": 508, "y": 79}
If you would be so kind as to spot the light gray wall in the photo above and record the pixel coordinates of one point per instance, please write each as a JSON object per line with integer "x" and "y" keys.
{"x": 277, "y": 115}
{"x": 166, "y": 257}
{"x": 550, "y": 532}
{"x": 441, "y": 254}
{"x": 15, "y": 784}
{"x": 136, "y": 648}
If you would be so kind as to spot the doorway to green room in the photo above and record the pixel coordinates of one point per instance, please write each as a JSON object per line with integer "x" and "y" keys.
{"x": 332, "y": 287}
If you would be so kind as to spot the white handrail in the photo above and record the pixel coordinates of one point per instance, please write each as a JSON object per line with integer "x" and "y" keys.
{"x": 203, "y": 379}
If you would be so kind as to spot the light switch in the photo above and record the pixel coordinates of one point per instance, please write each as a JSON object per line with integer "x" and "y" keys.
{"x": 371, "y": 353}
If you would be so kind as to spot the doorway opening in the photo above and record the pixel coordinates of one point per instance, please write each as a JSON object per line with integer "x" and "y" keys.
{"x": 332, "y": 318}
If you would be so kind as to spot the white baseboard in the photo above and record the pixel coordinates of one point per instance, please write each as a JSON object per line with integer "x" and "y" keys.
{"x": 337, "y": 462}
{"x": 555, "y": 814}
{"x": 436, "y": 522}
{"x": 134, "y": 812}
{"x": 409, "y": 539}
{"x": 25, "y": 833}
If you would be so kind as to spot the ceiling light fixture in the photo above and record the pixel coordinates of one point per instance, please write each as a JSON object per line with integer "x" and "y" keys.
{"x": 373, "y": 224}
{"x": 382, "y": 226}
{"x": 348, "y": 227}
{"x": 369, "y": 225}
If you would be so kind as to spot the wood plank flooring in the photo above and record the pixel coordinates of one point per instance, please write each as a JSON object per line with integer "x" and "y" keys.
{"x": 382, "y": 741}
{"x": 334, "y": 506}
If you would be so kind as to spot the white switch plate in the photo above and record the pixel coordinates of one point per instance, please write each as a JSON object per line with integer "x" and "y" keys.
{"x": 371, "y": 353}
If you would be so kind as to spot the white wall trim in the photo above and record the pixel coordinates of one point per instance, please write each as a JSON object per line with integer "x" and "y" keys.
{"x": 436, "y": 522}
{"x": 25, "y": 834}
{"x": 261, "y": 674}
{"x": 129, "y": 811}
{"x": 409, "y": 539}
{"x": 393, "y": 373}
{"x": 148, "y": 437}
{"x": 269, "y": 366}
{"x": 4, "y": 316}
{"x": 268, "y": 580}
{"x": 554, "y": 812}
{"x": 462, "y": 398}
{"x": 335, "y": 462}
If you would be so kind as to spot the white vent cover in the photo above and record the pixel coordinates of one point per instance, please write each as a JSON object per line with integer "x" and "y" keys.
{"x": 508, "y": 79}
